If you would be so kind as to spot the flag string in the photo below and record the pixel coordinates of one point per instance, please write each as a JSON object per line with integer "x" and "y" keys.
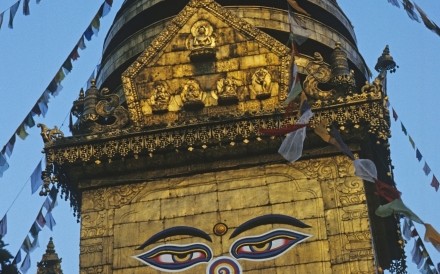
{"x": 426, "y": 168}
{"x": 411, "y": 8}
{"x": 54, "y": 87}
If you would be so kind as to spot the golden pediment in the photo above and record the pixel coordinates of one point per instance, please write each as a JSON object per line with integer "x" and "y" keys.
{"x": 206, "y": 63}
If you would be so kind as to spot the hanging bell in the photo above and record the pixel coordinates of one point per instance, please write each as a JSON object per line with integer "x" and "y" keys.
{"x": 386, "y": 62}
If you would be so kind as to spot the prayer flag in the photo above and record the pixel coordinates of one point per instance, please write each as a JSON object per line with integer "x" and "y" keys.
{"x": 295, "y": 83}
{"x": 48, "y": 204}
{"x": 432, "y": 236}
{"x": 105, "y": 9}
{"x": 406, "y": 230}
{"x": 74, "y": 54}
{"x": 40, "y": 219}
{"x": 81, "y": 43}
{"x": 292, "y": 146}
{"x": 3, "y": 226}
{"x": 297, "y": 7}
{"x": 426, "y": 169}
{"x": 386, "y": 191}
{"x": 395, "y": 115}
{"x": 298, "y": 32}
{"x": 17, "y": 258}
{"x": 12, "y": 11}
{"x": 365, "y": 169}
{"x": 26, "y": 264}
{"x": 340, "y": 143}
{"x": 29, "y": 120}
{"x": 21, "y": 132}
{"x": 60, "y": 75}
{"x": 333, "y": 138}
{"x": 412, "y": 142}
{"x": 418, "y": 155}
{"x": 409, "y": 7}
{"x": 27, "y": 245}
{"x": 403, "y": 128}
{"x": 36, "y": 109}
{"x": 53, "y": 85}
{"x": 43, "y": 101}
{"x": 434, "y": 183}
{"x": 35, "y": 229}
{"x": 50, "y": 220}
{"x": 4, "y": 165}
{"x": 397, "y": 207}
{"x": 36, "y": 180}
{"x": 428, "y": 22}
{"x": 426, "y": 268}
{"x": 394, "y": 3}
{"x": 96, "y": 23}
{"x": 26, "y": 10}
{"x": 53, "y": 194}
{"x": 1, "y": 18}
{"x": 416, "y": 253}
{"x": 10, "y": 145}
{"x": 88, "y": 33}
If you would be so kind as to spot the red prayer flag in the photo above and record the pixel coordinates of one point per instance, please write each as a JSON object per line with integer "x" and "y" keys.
{"x": 386, "y": 191}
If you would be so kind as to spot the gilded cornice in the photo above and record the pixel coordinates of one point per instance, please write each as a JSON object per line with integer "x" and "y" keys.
{"x": 366, "y": 110}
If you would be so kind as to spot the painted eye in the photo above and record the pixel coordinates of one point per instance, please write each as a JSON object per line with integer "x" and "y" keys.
{"x": 266, "y": 246}
{"x": 172, "y": 258}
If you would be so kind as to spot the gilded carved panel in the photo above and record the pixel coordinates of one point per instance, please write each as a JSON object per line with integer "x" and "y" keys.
{"x": 318, "y": 204}
{"x": 209, "y": 61}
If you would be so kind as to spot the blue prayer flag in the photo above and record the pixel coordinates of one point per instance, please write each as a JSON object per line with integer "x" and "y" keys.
{"x": 26, "y": 263}
{"x": 403, "y": 128}
{"x": 50, "y": 221}
{"x": 419, "y": 155}
{"x": 36, "y": 180}
{"x": 3, "y": 226}
{"x": 12, "y": 11}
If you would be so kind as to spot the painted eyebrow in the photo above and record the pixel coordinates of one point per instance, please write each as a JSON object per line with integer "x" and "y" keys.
{"x": 176, "y": 231}
{"x": 268, "y": 219}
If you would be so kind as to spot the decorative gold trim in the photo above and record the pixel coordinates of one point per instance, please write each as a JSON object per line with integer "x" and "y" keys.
{"x": 172, "y": 28}
{"x": 366, "y": 110}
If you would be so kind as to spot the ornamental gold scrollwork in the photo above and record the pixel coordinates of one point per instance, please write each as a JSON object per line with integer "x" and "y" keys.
{"x": 99, "y": 111}
{"x": 318, "y": 72}
{"x": 50, "y": 135}
{"x": 366, "y": 114}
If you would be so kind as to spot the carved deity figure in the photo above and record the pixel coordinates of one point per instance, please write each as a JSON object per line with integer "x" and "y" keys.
{"x": 191, "y": 92}
{"x": 202, "y": 36}
{"x": 262, "y": 86}
{"x": 226, "y": 91}
{"x": 160, "y": 97}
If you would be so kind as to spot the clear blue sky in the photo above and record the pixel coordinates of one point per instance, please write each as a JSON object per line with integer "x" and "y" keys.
{"x": 33, "y": 51}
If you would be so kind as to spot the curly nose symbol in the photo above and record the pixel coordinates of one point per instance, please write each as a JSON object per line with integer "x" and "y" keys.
{"x": 224, "y": 265}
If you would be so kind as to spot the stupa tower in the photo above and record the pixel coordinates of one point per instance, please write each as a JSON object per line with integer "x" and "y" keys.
{"x": 167, "y": 165}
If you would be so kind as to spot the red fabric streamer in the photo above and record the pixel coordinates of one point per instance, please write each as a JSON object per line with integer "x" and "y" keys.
{"x": 386, "y": 191}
